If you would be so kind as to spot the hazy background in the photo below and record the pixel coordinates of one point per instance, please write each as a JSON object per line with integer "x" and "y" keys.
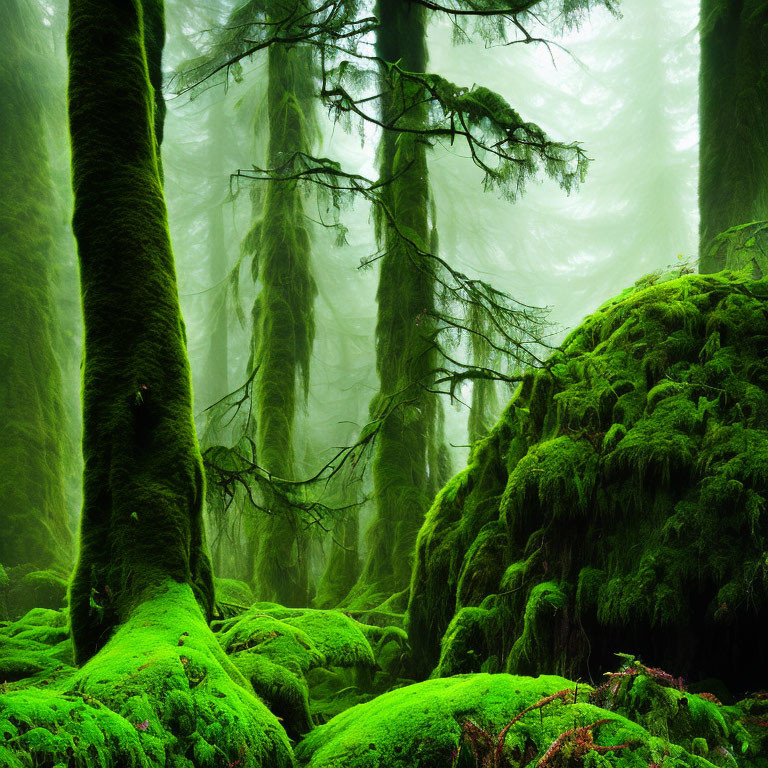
{"x": 626, "y": 88}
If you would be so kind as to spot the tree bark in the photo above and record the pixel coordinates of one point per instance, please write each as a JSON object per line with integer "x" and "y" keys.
{"x": 143, "y": 481}
{"x": 733, "y": 113}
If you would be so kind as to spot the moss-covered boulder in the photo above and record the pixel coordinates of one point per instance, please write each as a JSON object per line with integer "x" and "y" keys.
{"x": 36, "y": 648}
{"x": 276, "y": 648}
{"x": 504, "y": 720}
{"x": 26, "y": 588}
{"x": 619, "y": 503}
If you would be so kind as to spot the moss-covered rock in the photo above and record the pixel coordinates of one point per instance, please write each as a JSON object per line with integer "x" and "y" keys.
{"x": 276, "y": 647}
{"x": 619, "y": 502}
{"x": 232, "y": 593}
{"x": 502, "y": 720}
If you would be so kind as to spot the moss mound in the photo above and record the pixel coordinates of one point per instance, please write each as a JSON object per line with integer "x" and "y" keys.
{"x": 275, "y": 648}
{"x": 160, "y": 692}
{"x": 618, "y": 504}
{"x": 35, "y": 649}
{"x": 504, "y": 720}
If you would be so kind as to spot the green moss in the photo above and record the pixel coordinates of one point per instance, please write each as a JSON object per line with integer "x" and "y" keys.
{"x": 432, "y": 723}
{"x": 160, "y": 692}
{"x": 276, "y": 647}
{"x": 617, "y": 503}
{"x": 233, "y": 592}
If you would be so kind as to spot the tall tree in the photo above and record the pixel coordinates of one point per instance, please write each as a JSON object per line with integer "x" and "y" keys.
{"x": 405, "y": 355}
{"x": 32, "y": 493}
{"x": 141, "y": 524}
{"x": 283, "y": 321}
{"x": 733, "y": 116}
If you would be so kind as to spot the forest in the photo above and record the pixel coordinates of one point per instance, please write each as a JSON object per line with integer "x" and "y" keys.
{"x": 383, "y": 384}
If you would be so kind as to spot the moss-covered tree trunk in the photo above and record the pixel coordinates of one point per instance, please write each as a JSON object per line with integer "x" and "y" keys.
{"x": 404, "y": 331}
{"x": 283, "y": 326}
{"x": 143, "y": 481}
{"x": 217, "y": 362}
{"x": 733, "y": 114}
{"x": 32, "y": 494}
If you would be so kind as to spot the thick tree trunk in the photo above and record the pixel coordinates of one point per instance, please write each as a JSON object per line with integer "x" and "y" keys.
{"x": 733, "y": 186}
{"x": 143, "y": 480}
{"x": 32, "y": 495}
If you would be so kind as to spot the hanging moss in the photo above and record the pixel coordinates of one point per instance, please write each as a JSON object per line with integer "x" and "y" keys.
{"x": 618, "y": 503}
{"x": 404, "y": 330}
{"x": 33, "y": 517}
{"x": 733, "y": 112}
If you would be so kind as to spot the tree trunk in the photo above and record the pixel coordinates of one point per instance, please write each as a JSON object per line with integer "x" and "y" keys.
{"x": 32, "y": 494}
{"x": 733, "y": 114}
{"x": 283, "y": 326}
{"x": 143, "y": 481}
{"x": 404, "y": 332}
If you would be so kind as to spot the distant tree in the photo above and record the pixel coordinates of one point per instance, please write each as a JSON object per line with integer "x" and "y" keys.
{"x": 283, "y": 319}
{"x": 33, "y": 516}
{"x": 733, "y": 115}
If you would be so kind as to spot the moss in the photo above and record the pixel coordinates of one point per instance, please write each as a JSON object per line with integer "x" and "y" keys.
{"x": 743, "y": 247}
{"x": 33, "y": 514}
{"x": 343, "y": 563}
{"x": 438, "y": 721}
{"x": 160, "y": 692}
{"x": 618, "y": 502}
{"x": 234, "y": 592}
{"x": 276, "y": 647}
{"x": 283, "y": 318}
{"x": 407, "y": 448}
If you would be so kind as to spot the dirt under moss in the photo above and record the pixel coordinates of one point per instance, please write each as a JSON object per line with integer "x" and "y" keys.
{"x": 619, "y": 502}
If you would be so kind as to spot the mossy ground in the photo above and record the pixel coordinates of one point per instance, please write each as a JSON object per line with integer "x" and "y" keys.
{"x": 506, "y": 720}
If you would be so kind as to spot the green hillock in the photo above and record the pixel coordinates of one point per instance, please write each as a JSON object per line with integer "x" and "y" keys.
{"x": 504, "y": 720}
